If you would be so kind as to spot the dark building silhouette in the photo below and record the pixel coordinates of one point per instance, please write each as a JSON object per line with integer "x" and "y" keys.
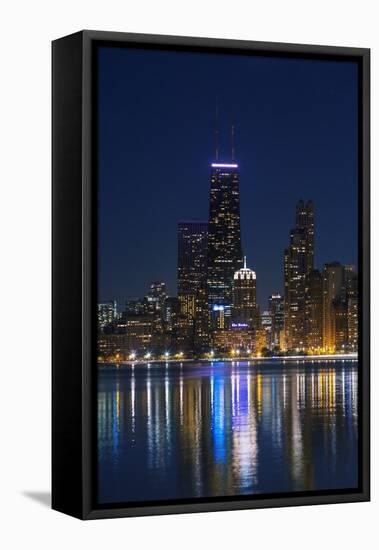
{"x": 340, "y": 308}
{"x": 192, "y": 274}
{"x": 171, "y": 309}
{"x": 192, "y": 254}
{"x": 224, "y": 255}
{"x": 135, "y": 306}
{"x": 314, "y": 311}
{"x": 334, "y": 306}
{"x": 276, "y": 309}
{"x": 155, "y": 298}
{"x": 298, "y": 262}
{"x": 352, "y": 307}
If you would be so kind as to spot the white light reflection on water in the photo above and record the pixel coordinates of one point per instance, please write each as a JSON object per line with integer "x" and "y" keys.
{"x": 226, "y": 429}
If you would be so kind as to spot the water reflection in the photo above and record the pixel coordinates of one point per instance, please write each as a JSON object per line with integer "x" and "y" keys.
{"x": 226, "y": 429}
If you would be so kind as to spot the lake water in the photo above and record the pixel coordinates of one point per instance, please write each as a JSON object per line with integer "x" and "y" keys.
{"x": 209, "y": 430}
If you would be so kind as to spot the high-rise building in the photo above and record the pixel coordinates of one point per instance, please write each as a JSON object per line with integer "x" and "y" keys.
{"x": 192, "y": 278}
{"x": 183, "y": 337}
{"x": 171, "y": 309}
{"x": 192, "y": 256}
{"x": 224, "y": 252}
{"x": 155, "y": 298}
{"x": 276, "y": 308}
{"x": 341, "y": 325}
{"x": 334, "y": 307}
{"x": 106, "y": 314}
{"x": 266, "y": 325}
{"x": 352, "y": 307}
{"x": 340, "y": 308}
{"x": 244, "y": 295}
{"x": 131, "y": 334}
{"x": 298, "y": 262}
{"x": 135, "y": 306}
{"x": 314, "y": 311}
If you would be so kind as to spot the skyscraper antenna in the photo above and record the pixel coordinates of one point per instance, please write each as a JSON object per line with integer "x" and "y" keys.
{"x": 244, "y": 262}
{"x": 232, "y": 138}
{"x": 216, "y": 131}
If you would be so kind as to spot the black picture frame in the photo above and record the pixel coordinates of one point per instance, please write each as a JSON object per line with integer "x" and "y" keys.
{"x": 74, "y": 274}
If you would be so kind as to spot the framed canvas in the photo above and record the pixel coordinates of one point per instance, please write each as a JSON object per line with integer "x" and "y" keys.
{"x": 210, "y": 275}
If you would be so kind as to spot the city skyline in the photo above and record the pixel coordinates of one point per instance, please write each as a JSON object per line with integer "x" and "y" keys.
{"x": 315, "y": 157}
{"x": 216, "y": 311}
{"x": 264, "y": 300}
{"x": 228, "y": 346}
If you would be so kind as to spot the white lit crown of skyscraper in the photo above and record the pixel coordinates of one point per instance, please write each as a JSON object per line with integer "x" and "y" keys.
{"x": 244, "y": 272}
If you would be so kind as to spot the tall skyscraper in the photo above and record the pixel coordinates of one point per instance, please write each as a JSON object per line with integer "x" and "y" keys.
{"x": 245, "y": 311}
{"x": 340, "y": 308}
{"x": 298, "y": 263}
{"x": 314, "y": 311}
{"x": 224, "y": 254}
{"x": 276, "y": 308}
{"x": 192, "y": 255}
{"x": 266, "y": 326}
{"x": 334, "y": 306}
{"x": 192, "y": 279}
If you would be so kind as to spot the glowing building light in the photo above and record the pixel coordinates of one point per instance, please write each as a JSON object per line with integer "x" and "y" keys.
{"x": 132, "y": 355}
{"x": 218, "y": 165}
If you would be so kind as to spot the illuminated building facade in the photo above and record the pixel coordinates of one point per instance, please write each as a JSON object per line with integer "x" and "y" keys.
{"x": 183, "y": 334}
{"x": 298, "y": 263}
{"x": 171, "y": 310}
{"x": 276, "y": 309}
{"x": 235, "y": 339}
{"x": 341, "y": 326}
{"x": 244, "y": 297}
{"x": 155, "y": 298}
{"x": 340, "y": 303}
{"x": 192, "y": 278}
{"x": 216, "y": 306}
{"x": 266, "y": 326}
{"x": 224, "y": 251}
{"x": 106, "y": 314}
{"x": 334, "y": 317}
{"x": 313, "y": 311}
{"x": 192, "y": 256}
{"x": 352, "y": 308}
{"x": 135, "y": 306}
{"x": 260, "y": 340}
{"x": 131, "y": 334}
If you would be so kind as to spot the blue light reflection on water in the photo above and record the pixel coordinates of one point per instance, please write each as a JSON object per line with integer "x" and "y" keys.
{"x": 203, "y": 430}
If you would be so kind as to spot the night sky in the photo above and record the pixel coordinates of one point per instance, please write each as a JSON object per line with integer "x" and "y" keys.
{"x": 295, "y": 137}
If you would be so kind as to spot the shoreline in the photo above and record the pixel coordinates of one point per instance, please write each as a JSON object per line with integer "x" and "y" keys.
{"x": 352, "y": 357}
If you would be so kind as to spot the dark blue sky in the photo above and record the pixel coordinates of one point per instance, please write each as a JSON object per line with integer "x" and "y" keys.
{"x": 296, "y": 137}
